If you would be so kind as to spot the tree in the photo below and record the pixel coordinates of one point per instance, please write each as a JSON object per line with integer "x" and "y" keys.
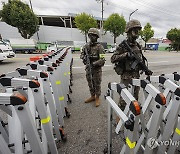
{"x": 115, "y": 24}
{"x": 84, "y": 22}
{"x": 19, "y": 15}
{"x": 174, "y": 36}
{"x": 147, "y": 33}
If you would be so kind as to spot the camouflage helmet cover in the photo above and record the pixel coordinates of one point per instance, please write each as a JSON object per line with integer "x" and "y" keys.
{"x": 93, "y": 31}
{"x": 132, "y": 24}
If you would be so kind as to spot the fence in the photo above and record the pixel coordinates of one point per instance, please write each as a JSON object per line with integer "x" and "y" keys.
{"x": 151, "y": 124}
{"x": 35, "y": 102}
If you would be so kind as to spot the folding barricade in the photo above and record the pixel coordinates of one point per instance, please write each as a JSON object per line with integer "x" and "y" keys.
{"x": 130, "y": 122}
{"x": 175, "y": 77}
{"x": 171, "y": 124}
{"x": 154, "y": 106}
{"x": 41, "y": 106}
{"x": 65, "y": 69}
{"x": 33, "y": 87}
{"x": 61, "y": 105}
{"x": 43, "y": 78}
{"x": 62, "y": 76}
{"x": 146, "y": 130}
{"x": 60, "y": 83}
{"x": 17, "y": 102}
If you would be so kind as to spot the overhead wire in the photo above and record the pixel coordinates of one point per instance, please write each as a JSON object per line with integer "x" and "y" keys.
{"x": 153, "y": 7}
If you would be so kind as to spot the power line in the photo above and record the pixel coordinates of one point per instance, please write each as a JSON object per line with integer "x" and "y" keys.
{"x": 154, "y": 8}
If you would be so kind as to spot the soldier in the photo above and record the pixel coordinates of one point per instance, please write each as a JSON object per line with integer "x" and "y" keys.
{"x": 123, "y": 59}
{"x": 92, "y": 56}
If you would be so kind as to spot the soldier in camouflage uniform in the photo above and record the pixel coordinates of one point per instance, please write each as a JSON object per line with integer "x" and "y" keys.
{"x": 122, "y": 55}
{"x": 95, "y": 53}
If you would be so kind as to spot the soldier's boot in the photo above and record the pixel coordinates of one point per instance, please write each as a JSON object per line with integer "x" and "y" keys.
{"x": 97, "y": 101}
{"x": 92, "y": 98}
{"x": 117, "y": 120}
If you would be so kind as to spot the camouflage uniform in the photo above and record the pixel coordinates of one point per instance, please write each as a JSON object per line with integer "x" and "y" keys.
{"x": 121, "y": 54}
{"x": 94, "y": 50}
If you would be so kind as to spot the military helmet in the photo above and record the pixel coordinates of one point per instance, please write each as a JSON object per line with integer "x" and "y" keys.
{"x": 93, "y": 31}
{"x": 132, "y": 24}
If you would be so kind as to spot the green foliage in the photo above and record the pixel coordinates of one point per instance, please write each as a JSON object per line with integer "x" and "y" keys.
{"x": 115, "y": 24}
{"x": 147, "y": 32}
{"x": 174, "y": 36}
{"x": 84, "y": 22}
{"x": 19, "y": 15}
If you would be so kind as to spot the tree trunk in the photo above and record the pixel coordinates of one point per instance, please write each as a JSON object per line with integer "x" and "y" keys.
{"x": 23, "y": 34}
{"x": 178, "y": 47}
{"x": 114, "y": 39}
{"x": 86, "y": 37}
{"x": 145, "y": 47}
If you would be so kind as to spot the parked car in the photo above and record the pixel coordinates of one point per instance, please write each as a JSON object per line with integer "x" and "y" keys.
{"x": 112, "y": 49}
{"x": 104, "y": 44}
{"x": 2, "y": 56}
{"x": 6, "y": 49}
{"x": 52, "y": 47}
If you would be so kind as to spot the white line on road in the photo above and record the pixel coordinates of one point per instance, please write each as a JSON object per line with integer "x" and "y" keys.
{"x": 79, "y": 67}
{"x": 159, "y": 62}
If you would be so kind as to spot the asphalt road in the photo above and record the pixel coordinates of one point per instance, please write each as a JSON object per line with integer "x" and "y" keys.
{"x": 87, "y": 127}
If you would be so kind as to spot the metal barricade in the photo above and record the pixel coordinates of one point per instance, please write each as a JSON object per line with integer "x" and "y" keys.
{"x": 34, "y": 106}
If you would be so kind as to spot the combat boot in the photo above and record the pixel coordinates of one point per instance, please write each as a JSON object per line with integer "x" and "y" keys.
{"x": 97, "y": 101}
{"x": 92, "y": 98}
{"x": 117, "y": 120}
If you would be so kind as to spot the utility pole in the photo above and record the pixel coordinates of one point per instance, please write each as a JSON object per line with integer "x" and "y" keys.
{"x": 102, "y": 9}
{"x": 132, "y": 13}
{"x": 33, "y": 11}
{"x": 102, "y": 16}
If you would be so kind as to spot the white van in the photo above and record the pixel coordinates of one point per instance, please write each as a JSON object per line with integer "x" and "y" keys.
{"x": 2, "y": 56}
{"x": 52, "y": 47}
{"x": 6, "y": 49}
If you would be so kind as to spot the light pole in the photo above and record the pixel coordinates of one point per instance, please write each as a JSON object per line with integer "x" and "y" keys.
{"x": 132, "y": 13}
{"x": 33, "y": 11}
{"x": 31, "y": 5}
{"x": 102, "y": 16}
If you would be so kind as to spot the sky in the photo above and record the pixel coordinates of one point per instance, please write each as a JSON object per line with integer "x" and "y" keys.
{"x": 161, "y": 14}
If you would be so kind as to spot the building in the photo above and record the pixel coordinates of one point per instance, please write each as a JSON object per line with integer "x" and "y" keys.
{"x": 54, "y": 28}
{"x": 152, "y": 44}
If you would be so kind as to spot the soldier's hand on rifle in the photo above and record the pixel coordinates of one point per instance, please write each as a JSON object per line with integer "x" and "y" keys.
{"x": 130, "y": 56}
{"x": 93, "y": 57}
{"x": 149, "y": 72}
{"x": 84, "y": 60}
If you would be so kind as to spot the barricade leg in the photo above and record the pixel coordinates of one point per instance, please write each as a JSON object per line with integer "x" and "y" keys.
{"x": 130, "y": 122}
{"x": 45, "y": 119}
{"x": 175, "y": 139}
{"x": 50, "y": 100}
{"x": 170, "y": 123}
{"x": 4, "y": 149}
{"x": 4, "y": 131}
{"x": 24, "y": 115}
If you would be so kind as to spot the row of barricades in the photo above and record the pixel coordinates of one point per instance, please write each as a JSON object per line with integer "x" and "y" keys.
{"x": 35, "y": 101}
{"x": 151, "y": 125}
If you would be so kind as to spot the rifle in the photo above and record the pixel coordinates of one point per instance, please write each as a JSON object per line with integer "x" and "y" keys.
{"x": 138, "y": 60}
{"x": 89, "y": 66}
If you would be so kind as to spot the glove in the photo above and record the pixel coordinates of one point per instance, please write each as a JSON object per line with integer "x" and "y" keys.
{"x": 84, "y": 61}
{"x": 129, "y": 56}
{"x": 99, "y": 63}
{"x": 93, "y": 57}
{"x": 149, "y": 72}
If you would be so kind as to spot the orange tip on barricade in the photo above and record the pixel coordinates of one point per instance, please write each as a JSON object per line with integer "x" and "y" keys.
{"x": 35, "y": 58}
{"x": 45, "y": 55}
